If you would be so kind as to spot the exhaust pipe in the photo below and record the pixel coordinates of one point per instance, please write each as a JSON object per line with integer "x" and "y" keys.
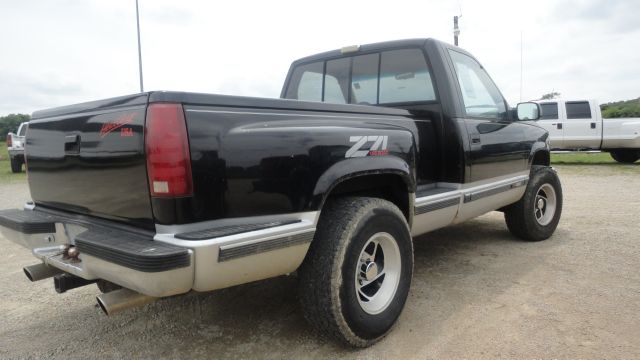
{"x": 64, "y": 282}
{"x": 120, "y": 300}
{"x": 40, "y": 271}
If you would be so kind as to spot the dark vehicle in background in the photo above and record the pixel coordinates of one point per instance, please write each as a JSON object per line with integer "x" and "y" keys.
{"x": 162, "y": 193}
{"x": 15, "y": 147}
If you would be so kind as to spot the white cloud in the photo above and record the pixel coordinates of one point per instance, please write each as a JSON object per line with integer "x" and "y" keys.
{"x": 61, "y": 52}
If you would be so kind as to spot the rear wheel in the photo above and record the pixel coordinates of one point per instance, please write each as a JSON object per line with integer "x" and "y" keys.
{"x": 356, "y": 276}
{"x": 536, "y": 215}
{"x": 16, "y": 165}
{"x": 625, "y": 156}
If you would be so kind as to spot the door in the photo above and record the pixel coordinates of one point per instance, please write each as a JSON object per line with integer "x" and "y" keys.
{"x": 550, "y": 121}
{"x": 581, "y": 129}
{"x": 496, "y": 145}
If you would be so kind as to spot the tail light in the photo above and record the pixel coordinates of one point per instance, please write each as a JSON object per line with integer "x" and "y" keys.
{"x": 167, "y": 148}
{"x": 9, "y": 140}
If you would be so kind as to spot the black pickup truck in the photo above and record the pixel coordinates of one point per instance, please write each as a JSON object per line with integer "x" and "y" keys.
{"x": 161, "y": 193}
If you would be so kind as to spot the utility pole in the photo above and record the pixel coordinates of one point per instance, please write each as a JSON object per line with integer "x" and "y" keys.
{"x": 520, "y": 65}
{"x": 456, "y": 30}
{"x": 139, "y": 48}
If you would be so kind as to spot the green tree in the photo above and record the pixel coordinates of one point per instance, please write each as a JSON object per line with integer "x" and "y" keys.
{"x": 10, "y": 123}
{"x": 549, "y": 96}
{"x": 621, "y": 109}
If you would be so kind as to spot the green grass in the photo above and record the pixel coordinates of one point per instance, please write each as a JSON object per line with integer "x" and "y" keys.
{"x": 5, "y": 167}
{"x": 583, "y": 158}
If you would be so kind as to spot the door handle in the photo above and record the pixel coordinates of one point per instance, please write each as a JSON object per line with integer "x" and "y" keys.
{"x": 559, "y": 126}
{"x": 593, "y": 125}
{"x": 72, "y": 144}
{"x": 475, "y": 140}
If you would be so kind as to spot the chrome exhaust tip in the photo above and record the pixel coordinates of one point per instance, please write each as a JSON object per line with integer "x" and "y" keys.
{"x": 40, "y": 271}
{"x": 120, "y": 300}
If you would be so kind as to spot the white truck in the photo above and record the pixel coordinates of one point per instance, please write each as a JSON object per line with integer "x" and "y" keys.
{"x": 15, "y": 147}
{"x": 578, "y": 125}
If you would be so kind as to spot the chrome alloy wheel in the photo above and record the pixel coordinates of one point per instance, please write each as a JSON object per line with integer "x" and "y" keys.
{"x": 378, "y": 273}
{"x": 544, "y": 206}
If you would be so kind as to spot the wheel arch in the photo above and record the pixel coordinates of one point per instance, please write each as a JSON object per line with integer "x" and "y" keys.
{"x": 540, "y": 157}
{"x": 390, "y": 178}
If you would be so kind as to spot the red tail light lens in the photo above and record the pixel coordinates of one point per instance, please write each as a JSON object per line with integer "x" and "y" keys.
{"x": 167, "y": 147}
{"x": 9, "y": 138}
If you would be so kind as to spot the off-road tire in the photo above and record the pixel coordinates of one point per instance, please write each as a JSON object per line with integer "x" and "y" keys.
{"x": 328, "y": 295}
{"x": 625, "y": 156}
{"x": 16, "y": 165}
{"x": 521, "y": 216}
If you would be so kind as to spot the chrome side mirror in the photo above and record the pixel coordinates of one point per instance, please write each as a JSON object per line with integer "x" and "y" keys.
{"x": 528, "y": 111}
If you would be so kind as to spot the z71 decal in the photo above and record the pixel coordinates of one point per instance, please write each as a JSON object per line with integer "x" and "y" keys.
{"x": 378, "y": 146}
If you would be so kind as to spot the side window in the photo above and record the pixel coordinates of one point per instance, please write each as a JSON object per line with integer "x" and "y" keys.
{"x": 336, "y": 81}
{"x": 23, "y": 130}
{"x": 549, "y": 111}
{"x": 306, "y": 83}
{"x": 480, "y": 95}
{"x": 404, "y": 77}
{"x": 364, "y": 79}
{"x": 578, "y": 110}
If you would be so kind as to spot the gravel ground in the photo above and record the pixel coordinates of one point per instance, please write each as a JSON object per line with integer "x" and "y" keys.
{"x": 476, "y": 293}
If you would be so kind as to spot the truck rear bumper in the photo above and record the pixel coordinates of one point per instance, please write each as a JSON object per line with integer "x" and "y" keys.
{"x": 16, "y": 153}
{"x": 210, "y": 256}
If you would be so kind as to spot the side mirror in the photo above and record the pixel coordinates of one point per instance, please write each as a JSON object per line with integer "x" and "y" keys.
{"x": 528, "y": 111}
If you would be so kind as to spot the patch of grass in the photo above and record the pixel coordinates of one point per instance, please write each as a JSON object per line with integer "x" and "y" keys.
{"x": 5, "y": 167}
{"x": 592, "y": 164}
{"x": 583, "y": 158}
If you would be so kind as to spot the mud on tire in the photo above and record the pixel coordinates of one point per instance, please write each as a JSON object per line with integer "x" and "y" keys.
{"x": 356, "y": 276}
{"x": 536, "y": 215}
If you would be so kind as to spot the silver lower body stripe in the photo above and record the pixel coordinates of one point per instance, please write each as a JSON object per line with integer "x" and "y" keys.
{"x": 437, "y": 205}
{"x": 476, "y": 195}
{"x": 241, "y": 250}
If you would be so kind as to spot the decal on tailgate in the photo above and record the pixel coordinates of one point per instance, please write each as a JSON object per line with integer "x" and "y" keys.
{"x": 118, "y": 123}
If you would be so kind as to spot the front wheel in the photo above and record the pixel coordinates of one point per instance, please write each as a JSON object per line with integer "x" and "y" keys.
{"x": 356, "y": 276}
{"x": 536, "y": 215}
{"x": 625, "y": 156}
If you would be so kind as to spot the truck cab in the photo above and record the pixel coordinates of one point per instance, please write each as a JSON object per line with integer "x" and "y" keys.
{"x": 572, "y": 124}
{"x": 15, "y": 147}
{"x": 578, "y": 125}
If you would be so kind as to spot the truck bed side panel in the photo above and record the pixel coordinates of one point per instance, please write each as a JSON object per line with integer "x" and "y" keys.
{"x": 250, "y": 162}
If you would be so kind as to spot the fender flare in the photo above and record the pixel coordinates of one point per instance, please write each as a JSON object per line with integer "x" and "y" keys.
{"x": 354, "y": 167}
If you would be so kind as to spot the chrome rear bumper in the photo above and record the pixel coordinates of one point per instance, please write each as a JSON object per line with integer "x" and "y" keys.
{"x": 168, "y": 262}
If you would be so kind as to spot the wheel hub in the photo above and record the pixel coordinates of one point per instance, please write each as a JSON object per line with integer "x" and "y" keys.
{"x": 377, "y": 273}
{"x": 369, "y": 270}
{"x": 544, "y": 206}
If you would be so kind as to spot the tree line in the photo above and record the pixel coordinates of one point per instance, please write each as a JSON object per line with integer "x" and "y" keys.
{"x": 616, "y": 109}
{"x": 621, "y": 109}
{"x": 10, "y": 123}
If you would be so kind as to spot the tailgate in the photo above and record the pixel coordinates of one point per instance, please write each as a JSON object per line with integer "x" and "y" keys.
{"x": 89, "y": 159}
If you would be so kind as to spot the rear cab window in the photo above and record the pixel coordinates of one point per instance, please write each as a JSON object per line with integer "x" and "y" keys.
{"x": 379, "y": 78}
{"x": 578, "y": 110}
